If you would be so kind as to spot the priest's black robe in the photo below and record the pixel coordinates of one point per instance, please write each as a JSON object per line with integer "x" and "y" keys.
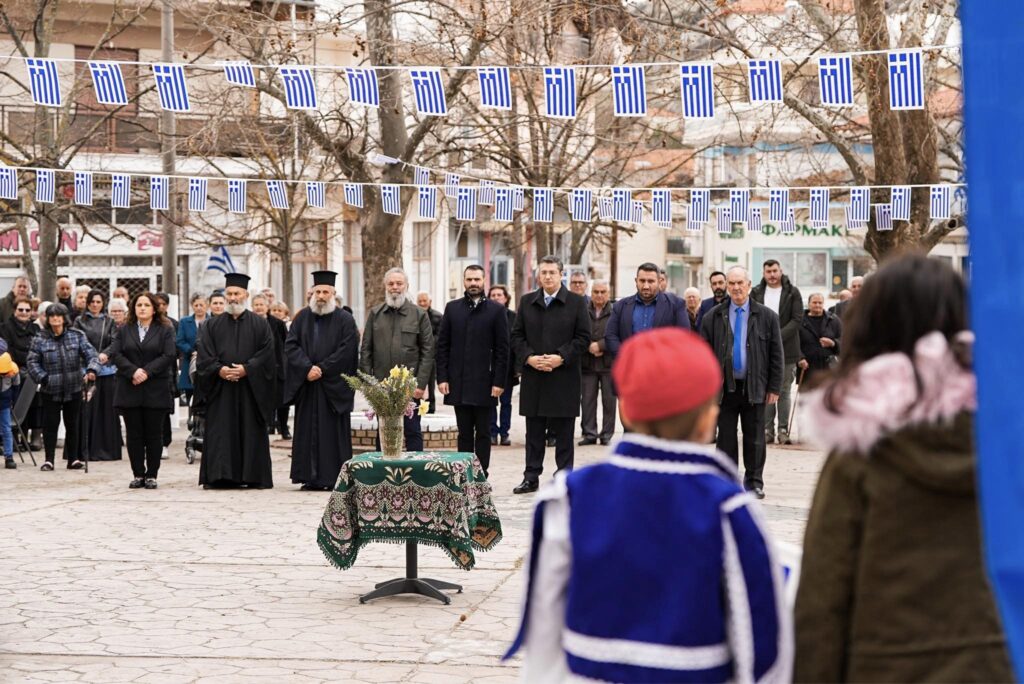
{"x": 322, "y": 438}
{"x": 236, "y": 447}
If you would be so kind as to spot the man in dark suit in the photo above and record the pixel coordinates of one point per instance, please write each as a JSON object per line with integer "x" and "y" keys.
{"x": 718, "y": 295}
{"x": 551, "y": 332}
{"x": 747, "y": 340}
{"x": 424, "y": 301}
{"x": 649, "y": 308}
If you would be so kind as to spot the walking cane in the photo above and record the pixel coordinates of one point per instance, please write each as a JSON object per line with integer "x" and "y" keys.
{"x": 86, "y": 417}
{"x": 792, "y": 410}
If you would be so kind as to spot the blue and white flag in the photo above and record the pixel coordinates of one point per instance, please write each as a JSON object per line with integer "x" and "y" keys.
{"x": 696, "y": 82}
{"x": 636, "y": 212}
{"x": 543, "y": 205}
{"x": 278, "y": 194}
{"x": 883, "y": 217}
{"x": 391, "y": 199}
{"x": 739, "y": 204}
{"x": 723, "y": 217}
{"x": 503, "y": 204}
{"x": 900, "y": 202}
{"x": 120, "y": 190}
{"x": 560, "y": 92}
{"x": 661, "y": 207}
{"x": 421, "y": 175}
{"x": 906, "y": 81}
{"x": 621, "y": 199}
{"x": 629, "y": 91}
{"x": 239, "y": 72}
{"x": 316, "y": 194}
{"x": 159, "y": 193}
{"x": 819, "y": 207}
{"x": 835, "y": 81}
{"x": 108, "y": 82}
{"x": 43, "y": 82}
{"x": 426, "y": 196}
{"x": 83, "y": 188}
{"x": 382, "y": 159}
{"x": 518, "y": 198}
{"x": 605, "y": 208}
{"x": 428, "y": 90}
{"x": 46, "y": 186}
{"x": 354, "y": 195}
{"x": 197, "y": 192}
{"x": 170, "y": 86}
{"x": 941, "y": 199}
{"x": 465, "y": 206}
{"x": 220, "y": 260}
{"x": 8, "y": 183}
{"x": 851, "y": 221}
{"x": 487, "y": 193}
{"x": 299, "y": 87}
{"x": 581, "y": 204}
{"x": 860, "y": 204}
{"x": 754, "y": 224}
{"x": 788, "y": 227}
{"x": 451, "y": 184}
{"x": 236, "y": 195}
{"x": 495, "y": 88}
{"x": 765, "y": 79}
{"x": 362, "y": 86}
{"x": 778, "y": 204}
{"x": 700, "y": 205}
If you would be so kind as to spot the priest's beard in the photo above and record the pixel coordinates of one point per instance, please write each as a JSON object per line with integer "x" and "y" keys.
{"x": 322, "y": 308}
{"x": 394, "y": 301}
{"x": 235, "y": 309}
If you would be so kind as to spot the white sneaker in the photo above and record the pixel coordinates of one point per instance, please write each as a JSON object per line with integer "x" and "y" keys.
{"x": 163, "y": 454}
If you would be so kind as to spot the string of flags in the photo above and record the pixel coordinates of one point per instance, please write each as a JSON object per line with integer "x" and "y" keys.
{"x": 629, "y": 84}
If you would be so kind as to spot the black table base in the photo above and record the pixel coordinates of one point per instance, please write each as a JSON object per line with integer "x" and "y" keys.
{"x": 412, "y": 583}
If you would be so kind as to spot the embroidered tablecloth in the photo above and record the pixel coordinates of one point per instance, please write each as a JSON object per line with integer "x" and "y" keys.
{"x": 438, "y": 499}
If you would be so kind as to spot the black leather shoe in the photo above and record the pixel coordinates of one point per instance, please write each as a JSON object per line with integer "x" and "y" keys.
{"x": 758, "y": 492}
{"x": 137, "y": 483}
{"x": 526, "y": 486}
{"x": 605, "y": 441}
{"x": 505, "y": 441}
{"x": 150, "y": 483}
{"x": 494, "y": 441}
{"x": 9, "y": 464}
{"x": 586, "y": 441}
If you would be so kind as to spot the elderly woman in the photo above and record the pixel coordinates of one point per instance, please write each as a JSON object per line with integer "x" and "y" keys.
{"x": 81, "y": 302}
{"x": 279, "y": 310}
{"x": 185, "y": 340}
{"x": 58, "y": 359}
{"x": 118, "y": 311}
{"x": 101, "y": 431}
{"x": 40, "y": 317}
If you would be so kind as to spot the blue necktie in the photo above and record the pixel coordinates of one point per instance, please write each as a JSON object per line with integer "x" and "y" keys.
{"x": 737, "y": 342}
{"x": 547, "y": 300}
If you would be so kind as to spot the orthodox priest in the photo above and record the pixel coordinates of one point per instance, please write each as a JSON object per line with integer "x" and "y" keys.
{"x": 323, "y": 343}
{"x": 236, "y": 373}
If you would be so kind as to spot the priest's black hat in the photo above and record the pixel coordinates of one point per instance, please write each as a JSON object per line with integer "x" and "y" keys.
{"x": 324, "y": 278}
{"x": 236, "y": 280}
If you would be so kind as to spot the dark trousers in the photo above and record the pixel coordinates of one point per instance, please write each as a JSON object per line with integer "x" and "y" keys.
{"x": 281, "y": 424}
{"x": 474, "y": 432}
{"x": 563, "y": 429}
{"x": 144, "y": 439}
{"x": 592, "y": 384}
{"x": 735, "y": 407}
{"x": 52, "y": 410}
{"x": 165, "y": 428}
{"x": 501, "y": 415}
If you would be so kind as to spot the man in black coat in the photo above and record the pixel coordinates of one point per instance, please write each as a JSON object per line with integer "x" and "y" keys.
{"x": 718, "y": 295}
{"x": 424, "y": 301}
{"x": 551, "y": 332}
{"x": 649, "y": 308}
{"x": 472, "y": 362}
{"x": 597, "y": 370}
{"x": 820, "y": 332}
{"x": 747, "y": 340}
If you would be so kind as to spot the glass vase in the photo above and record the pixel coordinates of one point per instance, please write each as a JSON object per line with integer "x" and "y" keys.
{"x": 392, "y": 436}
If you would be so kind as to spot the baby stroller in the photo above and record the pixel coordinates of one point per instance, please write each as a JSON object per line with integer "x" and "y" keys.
{"x": 196, "y": 422}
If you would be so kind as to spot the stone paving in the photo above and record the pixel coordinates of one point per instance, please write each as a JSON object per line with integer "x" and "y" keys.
{"x": 106, "y": 584}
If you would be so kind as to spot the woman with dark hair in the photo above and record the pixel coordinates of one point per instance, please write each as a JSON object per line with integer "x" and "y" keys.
{"x": 58, "y": 358}
{"x": 18, "y": 332}
{"x": 144, "y": 353}
{"x": 101, "y": 431}
{"x": 501, "y": 415}
{"x": 893, "y": 586}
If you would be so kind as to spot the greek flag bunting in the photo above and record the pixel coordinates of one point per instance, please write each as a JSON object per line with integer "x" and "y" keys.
{"x": 108, "y": 82}
{"x": 43, "y": 82}
{"x": 487, "y": 193}
{"x": 391, "y": 199}
{"x": 560, "y": 92}
{"x": 696, "y": 81}
{"x": 503, "y": 204}
{"x": 316, "y": 194}
{"x": 421, "y": 175}
{"x": 83, "y": 188}
{"x": 8, "y": 183}
{"x": 700, "y": 205}
{"x": 819, "y": 207}
{"x": 278, "y": 194}
{"x": 239, "y": 72}
{"x": 754, "y": 222}
{"x": 860, "y": 204}
{"x": 495, "y": 88}
{"x": 46, "y": 185}
{"x": 518, "y": 198}
{"x": 354, "y": 195}
{"x": 765, "y": 80}
{"x": 900, "y": 203}
{"x": 694, "y": 226}
{"x": 852, "y": 223}
{"x": 724, "y": 219}
{"x": 220, "y": 260}
{"x": 236, "y": 195}
{"x": 299, "y": 87}
{"x": 629, "y": 91}
{"x": 621, "y": 199}
{"x": 426, "y": 200}
{"x": 170, "y": 86}
{"x": 382, "y": 159}
{"x": 739, "y": 205}
{"x": 835, "y": 81}
{"x": 121, "y": 190}
{"x": 197, "y": 192}
{"x": 428, "y": 91}
{"x": 362, "y": 86}
{"x": 636, "y": 212}
{"x": 605, "y": 208}
{"x": 788, "y": 227}
{"x": 906, "y": 81}
{"x": 451, "y": 184}
{"x": 661, "y": 207}
{"x": 465, "y": 206}
{"x": 159, "y": 193}
{"x": 778, "y": 204}
{"x": 883, "y": 217}
{"x": 543, "y": 205}
{"x": 582, "y": 204}
{"x": 940, "y": 202}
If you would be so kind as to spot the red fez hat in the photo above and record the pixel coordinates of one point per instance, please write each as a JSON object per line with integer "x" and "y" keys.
{"x": 665, "y": 372}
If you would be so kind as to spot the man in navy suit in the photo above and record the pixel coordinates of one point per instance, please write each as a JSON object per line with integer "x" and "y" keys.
{"x": 718, "y": 296}
{"x": 649, "y": 308}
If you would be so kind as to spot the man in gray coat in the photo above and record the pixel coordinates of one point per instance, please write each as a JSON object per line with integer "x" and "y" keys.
{"x": 597, "y": 370}
{"x": 398, "y": 333}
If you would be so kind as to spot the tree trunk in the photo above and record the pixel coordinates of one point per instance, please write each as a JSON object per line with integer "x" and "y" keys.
{"x": 26, "y": 245}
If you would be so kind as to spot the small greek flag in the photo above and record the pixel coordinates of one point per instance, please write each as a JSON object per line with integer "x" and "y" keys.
{"x": 487, "y": 193}
{"x": 382, "y": 159}
{"x": 108, "y": 82}
{"x": 883, "y": 217}
{"x": 121, "y": 191}
{"x": 8, "y": 183}
{"x": 46, "y": 185}
{"x": 465, "y": 207}
{"x": 391, "y": 199}
{"x": 636, "y": 212}
{"x": 278, "y": 194}
{"x": 860, "y": 204}
{"x": 900, "y": 206}
{"x": 451, "y": 184}
{"x": 724, "y": 220}
{"x": 694, "y": 226}
{"x": 83, "y": 188}
{"x": 503, "y": 204}
{"x": 819, "y": 207}
{"x": 696, "y": 81}
{"x": 43, "y": 82}
{"x": 197, "y": 188}
{"x": 560, "y": 92}
{"x": 700, "y": 205}
{"x": 582, "y": 204}
{"x": 543, "y": 205}
{"x": 941, "y": 199}
{"x": 851, "y": 221}
{"x": 240, "y": 73}
{"x": 316, "y": 194}
{"x": 236, "y": 195}
{"x": 159, "y": 193}
{"x": 835, "y": 81}
{"x": 429, "y": 92}
{"x": 754, "y": 224}
{"x": 739, "y": 205}
{"x": 788, "y": 227}
{"x": 661, "y": 207}
{"x": 220, "y": 260}
{"x": 354, "y": 195}
{"x": 906, "y": 81}
{"x": 778, "y": 204}
{"x": 518, "y": 198}
{"x": 605, "y": 208}
{"x": 421, "y": 175}
{"x": 362, "y": 86}
{"x": 426, "y": 196}
{"x": 495, "y": 88}
{"x": 621, "y": 199}
{"x": 629, "y": 91}
{"x": 170, "y": 86}
{"x": 765, "y": 80}
{"x": 299, "y": 87}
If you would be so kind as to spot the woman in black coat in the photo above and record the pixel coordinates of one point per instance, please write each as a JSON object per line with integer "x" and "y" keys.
{"x": 99, "y": 421}
{"x": 18, "y": 332}
{"x": 501, "y": 415}
{"x": 144, "y": 353}
{"x": 819, "y": 338}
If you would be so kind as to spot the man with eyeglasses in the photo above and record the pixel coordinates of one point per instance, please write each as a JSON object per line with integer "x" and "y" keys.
{"x": 18, "y": 332}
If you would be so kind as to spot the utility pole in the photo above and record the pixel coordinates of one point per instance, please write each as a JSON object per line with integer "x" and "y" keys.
{"x": 169, "y": 154}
